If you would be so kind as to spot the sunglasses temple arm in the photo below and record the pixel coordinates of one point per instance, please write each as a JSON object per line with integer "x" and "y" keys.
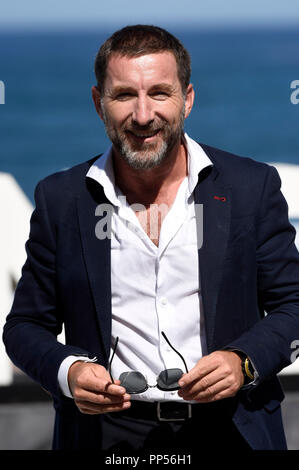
{"x": 110, "y": 362}
{"x": 166, "y": 339}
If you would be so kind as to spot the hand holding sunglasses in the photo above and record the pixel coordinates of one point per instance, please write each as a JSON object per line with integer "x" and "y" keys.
{"x": 134, "y": 381}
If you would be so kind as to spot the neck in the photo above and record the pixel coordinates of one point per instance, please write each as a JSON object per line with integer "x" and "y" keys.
{"x": 151, "y": 185}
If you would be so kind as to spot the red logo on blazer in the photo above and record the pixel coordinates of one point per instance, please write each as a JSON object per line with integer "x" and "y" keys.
{"x": 220, "y": 198}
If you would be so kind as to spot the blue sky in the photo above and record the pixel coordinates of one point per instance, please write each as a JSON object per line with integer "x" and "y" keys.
{"x": 94, "y": 13}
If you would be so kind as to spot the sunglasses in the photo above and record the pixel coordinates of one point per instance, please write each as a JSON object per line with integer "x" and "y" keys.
{"x": 135, "y": 382}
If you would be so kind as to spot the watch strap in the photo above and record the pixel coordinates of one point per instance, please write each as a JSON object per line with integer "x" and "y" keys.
{"x": 247, "y": 368}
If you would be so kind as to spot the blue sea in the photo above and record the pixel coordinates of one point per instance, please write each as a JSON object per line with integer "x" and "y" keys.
{"x": 242, "y": 82}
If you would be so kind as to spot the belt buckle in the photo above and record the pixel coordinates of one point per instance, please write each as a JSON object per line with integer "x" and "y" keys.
{"x": 173, "y": 419}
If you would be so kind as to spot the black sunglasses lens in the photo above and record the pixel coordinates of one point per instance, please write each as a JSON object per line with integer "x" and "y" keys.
{"x": 134, "y": 382}
{"x": 168, "y": 379}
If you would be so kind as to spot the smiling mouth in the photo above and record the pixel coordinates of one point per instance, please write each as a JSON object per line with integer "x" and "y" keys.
{"x": 143, "y": 135}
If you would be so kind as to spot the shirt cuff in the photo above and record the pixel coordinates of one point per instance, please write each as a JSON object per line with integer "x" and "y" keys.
{"x": 64, "y": 370}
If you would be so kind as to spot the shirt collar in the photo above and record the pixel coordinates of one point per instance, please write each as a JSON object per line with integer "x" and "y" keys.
{"x": 197, "y": 161}
{"x": 102, "y": 169}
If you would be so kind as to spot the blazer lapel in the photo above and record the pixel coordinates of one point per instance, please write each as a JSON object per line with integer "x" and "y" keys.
{"x": 215, "y": 198}
{"x": 97, "y": 256}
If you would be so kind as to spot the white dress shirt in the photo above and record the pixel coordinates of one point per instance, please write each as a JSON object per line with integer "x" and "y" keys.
{"x": 154, "y": 288}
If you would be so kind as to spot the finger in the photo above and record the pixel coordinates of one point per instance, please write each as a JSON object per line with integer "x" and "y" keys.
{"x": 220, "y": 390}
{"x": 100, "y": 385}
{"x": 96, "y": 378}
{"x": 204, "y": 383}
{"x": 203, "y": 367}
{"x": 100, "y": 398}
{"x": 206, "y": 365}
{"x": 89, "y": 408}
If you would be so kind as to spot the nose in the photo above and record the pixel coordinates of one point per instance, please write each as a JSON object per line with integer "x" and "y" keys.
{"x": 143, "y": 112}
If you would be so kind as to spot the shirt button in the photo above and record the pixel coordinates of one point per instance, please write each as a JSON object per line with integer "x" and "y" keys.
{"x": 164, "y": 301}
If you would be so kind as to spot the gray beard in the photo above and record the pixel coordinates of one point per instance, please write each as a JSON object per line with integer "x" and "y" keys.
{"x": 147, "y": 158}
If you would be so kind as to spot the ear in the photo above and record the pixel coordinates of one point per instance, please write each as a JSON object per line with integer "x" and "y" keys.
{"x": 96, "y": 97}
{"x": 189, "y": 100}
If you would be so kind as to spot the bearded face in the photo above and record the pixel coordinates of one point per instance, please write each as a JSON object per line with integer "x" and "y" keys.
{"x": 144, "y": 147}
{"x": 143, "y": 107}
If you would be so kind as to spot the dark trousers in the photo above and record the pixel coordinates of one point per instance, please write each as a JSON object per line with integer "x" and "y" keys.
{"x": 210, "y": 429}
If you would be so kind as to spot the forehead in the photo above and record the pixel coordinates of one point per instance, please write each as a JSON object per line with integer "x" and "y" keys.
{"x": 144, "y": 70}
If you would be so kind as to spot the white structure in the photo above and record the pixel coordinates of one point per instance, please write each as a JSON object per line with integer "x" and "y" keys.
{"x": 2, "y": 92}
{"x": 15, "y": 212}
{"x": 289, "y": 175}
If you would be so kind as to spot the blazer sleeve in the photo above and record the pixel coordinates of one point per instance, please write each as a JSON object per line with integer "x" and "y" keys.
{"x": 269, "y": 342}
{"x": 32, "y": 326}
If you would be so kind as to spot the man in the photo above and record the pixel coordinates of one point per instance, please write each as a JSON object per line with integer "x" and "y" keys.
{"x": 116, "y": 255}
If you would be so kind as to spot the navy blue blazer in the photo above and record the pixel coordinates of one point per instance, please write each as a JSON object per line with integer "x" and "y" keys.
{"x": 249, "y": 269}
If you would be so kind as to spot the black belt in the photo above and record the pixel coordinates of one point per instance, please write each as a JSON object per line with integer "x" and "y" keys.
{"x": 159, "y": 410}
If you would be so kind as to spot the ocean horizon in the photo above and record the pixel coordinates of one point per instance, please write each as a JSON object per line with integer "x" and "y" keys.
{"x": 242, "y": 83}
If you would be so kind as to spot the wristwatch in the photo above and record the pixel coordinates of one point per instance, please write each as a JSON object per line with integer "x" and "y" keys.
{"x": 247, "y": 367}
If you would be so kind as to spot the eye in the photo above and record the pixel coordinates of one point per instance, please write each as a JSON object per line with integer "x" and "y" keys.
{"x": 160, "y": 95}
{"x": 124, "y": 96}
